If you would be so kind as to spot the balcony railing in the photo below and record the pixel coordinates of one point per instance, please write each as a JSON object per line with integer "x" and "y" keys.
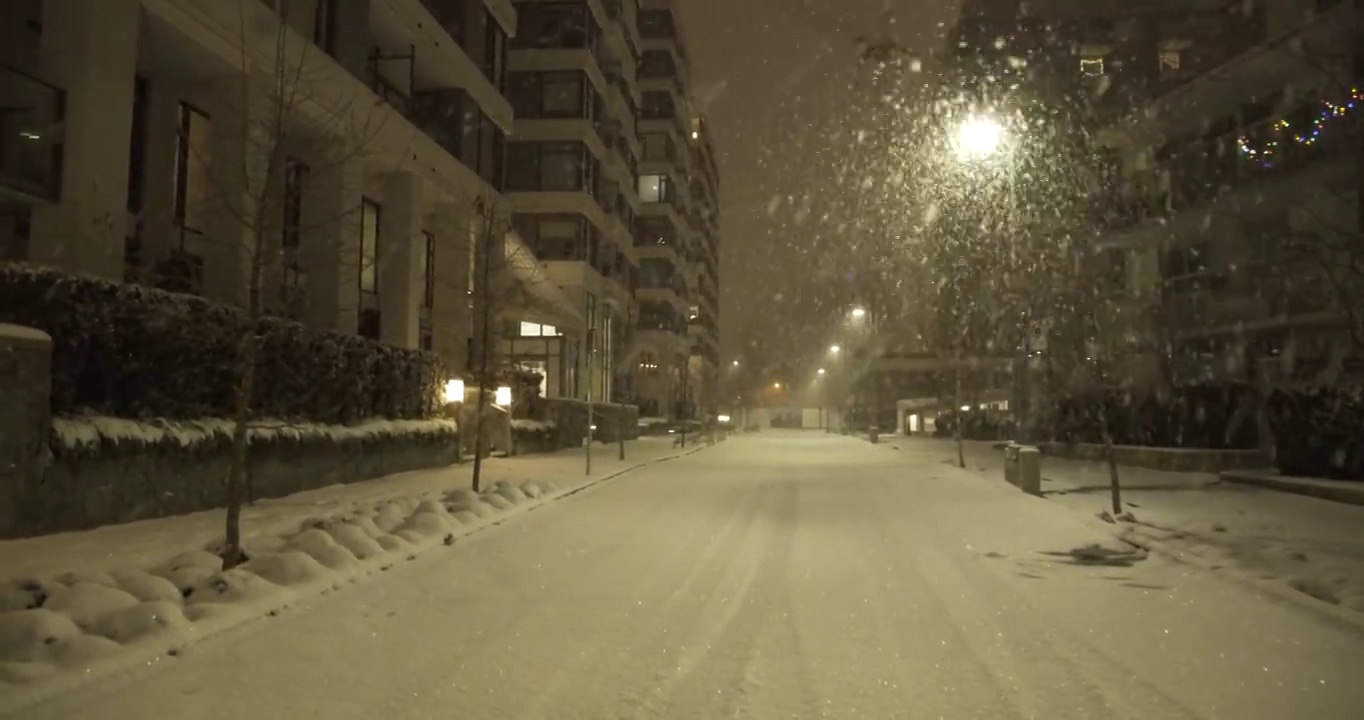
{"x": 32, "y": 113}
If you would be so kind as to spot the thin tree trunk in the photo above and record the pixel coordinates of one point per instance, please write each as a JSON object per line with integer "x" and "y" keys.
{"x": 1115, "y": 488}
{"x": 238, "y": 490}
{"x": 961, "y": 418}
{"x": 485, "y": 356}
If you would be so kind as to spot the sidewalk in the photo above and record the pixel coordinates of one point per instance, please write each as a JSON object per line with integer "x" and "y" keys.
{"x": 1313, "y": 546}
{"x": 80, "y": 604}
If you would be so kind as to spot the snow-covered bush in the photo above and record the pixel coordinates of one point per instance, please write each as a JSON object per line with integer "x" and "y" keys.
{"x": 1317, "y": 430}
{"x": 129, "y": 351}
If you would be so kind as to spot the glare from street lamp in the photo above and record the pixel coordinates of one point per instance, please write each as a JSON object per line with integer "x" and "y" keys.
{"x": 833, "y": 349}
{"x": 736, "y": 363}
{"x": 858, "y": 312}
{"x": 821, "y": 371}
{"x": 776, "y": 385}
{"x": 980, "y": 136}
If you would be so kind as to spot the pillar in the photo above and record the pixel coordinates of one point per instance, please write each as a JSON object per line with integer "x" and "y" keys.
{"x": 400, "y": 248}
{"x": 329, "y": 250}
{"x": 239, "y": 156}
{"x": 89, "y": 49}
{"x": 451, "y": 316}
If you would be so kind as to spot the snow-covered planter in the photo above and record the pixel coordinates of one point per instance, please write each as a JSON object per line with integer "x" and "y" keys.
{"x": 126, "y": 350}
{"x": 533, "y": 436}
{"x": 107, "y": 470}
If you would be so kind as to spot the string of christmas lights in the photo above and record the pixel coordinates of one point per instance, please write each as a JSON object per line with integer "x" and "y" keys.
{"x": 1330, "y": 112}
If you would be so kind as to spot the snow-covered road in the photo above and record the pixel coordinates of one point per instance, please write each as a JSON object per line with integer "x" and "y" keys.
{"x": 781, "y": 575}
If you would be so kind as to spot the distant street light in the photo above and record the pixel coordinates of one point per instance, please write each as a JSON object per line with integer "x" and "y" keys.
{"x": 858, "y": 312}
{"x": 820, "y": 371}
{"x": 980, "y": 136}
{"x": 736, "y": 363}
{"x": 776, "y": 385}
{"x": 833, "y": 349}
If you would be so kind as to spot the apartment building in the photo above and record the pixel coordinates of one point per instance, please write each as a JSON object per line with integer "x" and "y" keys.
{"x": 614, "y": 183}
{"x": 1235, "y": 133}
{"x": 145, "y": 140}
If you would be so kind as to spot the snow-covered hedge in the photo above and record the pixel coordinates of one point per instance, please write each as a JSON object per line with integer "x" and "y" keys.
{"x": 130, "y": 351}
{"x": 92, "y": 432}
{"x": 1317, "y": 430}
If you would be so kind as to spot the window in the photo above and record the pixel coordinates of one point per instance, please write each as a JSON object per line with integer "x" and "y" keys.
{"x": 291, "y": 226}
{"x": 369, "y": 270}
{"x": 561, "y": 95}
{"x": 494, "y": 51}
{"x": 324, "y": 25}
{"x": 560, "y": 238}
{"x": 657, "y": 146}
{"x": 1092, "y": 66}
{"x": 452, "y": 16}
{"x": 530, "y": 329}
{"x": 191, "y": 176}
{"x": 655, "y": 23}
{"x": 654, "y": 188}
{"x": 427, "y": 266}
{"x": 657, "y": 64}
{"x": 658, "y": 105}
{"x": 544, "y": 25}
{"x": 548, "y": 166}
{"x": 369, "y": 246}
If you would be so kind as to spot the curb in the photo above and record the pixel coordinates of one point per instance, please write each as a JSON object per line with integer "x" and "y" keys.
{"x": 146, "y": 653}
{"x": 1340, "y": 491}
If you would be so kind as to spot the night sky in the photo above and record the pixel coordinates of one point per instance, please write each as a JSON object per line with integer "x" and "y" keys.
{"x": 777, "y": 79}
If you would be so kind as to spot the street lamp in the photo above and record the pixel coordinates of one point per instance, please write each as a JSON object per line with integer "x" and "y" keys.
{"x": 735, "y": 363}
{"x": 858, "y": 312}
{"x": 776, "y": 385}
{"x": 978, "y": 137}
{"x": 833, "y": 349}
{"x": 820, "y": 371}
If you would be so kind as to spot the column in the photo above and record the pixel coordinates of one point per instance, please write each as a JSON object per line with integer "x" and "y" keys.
{"x": 400, "y": 246}
{"x": 235, "y": 192}
{"x": 89, "y": 48}
{"x": 451, "y": 318}
{"x": 329, "y": 250}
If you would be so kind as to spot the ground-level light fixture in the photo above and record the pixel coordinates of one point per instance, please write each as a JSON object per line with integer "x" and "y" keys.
{"x": 503, "y": 396}
{"x": 965, "y": 408}
{"x": 722, "y": 418}
{"x": 454, "y": 390}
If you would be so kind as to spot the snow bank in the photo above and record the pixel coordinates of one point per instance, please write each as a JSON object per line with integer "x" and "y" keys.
{"x": 92, "y": 431}
{"x": 23, "y": 332}
{"x": 1312, "y": 547}
{"x": 58, "y": 629}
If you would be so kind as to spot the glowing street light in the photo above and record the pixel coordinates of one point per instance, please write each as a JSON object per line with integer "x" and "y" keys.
{"x": 776, "y": 385}
{"x": 980, "y": 136}
{"x": 454, "y": 390}
{"x": 503, "y": 396}
{"x": 858, "y": 312}
{"x": 833, "y": 349}
{"x": 820, "y": 371}
{"x": 735, "y": 363}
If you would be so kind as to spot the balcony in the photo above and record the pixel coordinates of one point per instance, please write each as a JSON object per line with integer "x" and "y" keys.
{"x": 1271, "y": 150}
{"x": 31, "y": 136}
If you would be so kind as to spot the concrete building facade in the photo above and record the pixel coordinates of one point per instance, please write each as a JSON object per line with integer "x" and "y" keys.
{"x": 364, "y": 142}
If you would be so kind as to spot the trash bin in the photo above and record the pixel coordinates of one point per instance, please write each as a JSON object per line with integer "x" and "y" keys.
{"x": 875, "y": 434}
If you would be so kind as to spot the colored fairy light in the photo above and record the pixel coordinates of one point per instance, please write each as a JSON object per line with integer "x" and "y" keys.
{"x": 1264, "y": 150}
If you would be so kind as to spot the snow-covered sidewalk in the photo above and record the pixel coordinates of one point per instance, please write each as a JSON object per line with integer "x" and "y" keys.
{"x": 1313, "y": 546}
{"x": 94, "y": 600}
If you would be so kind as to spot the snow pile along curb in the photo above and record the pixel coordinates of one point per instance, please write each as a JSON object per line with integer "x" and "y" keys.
{"x": 61, "y": 631}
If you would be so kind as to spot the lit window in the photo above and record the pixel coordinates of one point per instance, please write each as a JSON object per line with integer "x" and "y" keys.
{"x": 530, "y": 329}
{"x": 653, "y": 188}
{"x": 1092, "y": 66}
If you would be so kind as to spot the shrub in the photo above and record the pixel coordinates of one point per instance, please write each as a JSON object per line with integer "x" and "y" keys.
{"x": 1317, "y": 431}
{"x": 135, "y": 352}
{"x": 1201, "y": 416}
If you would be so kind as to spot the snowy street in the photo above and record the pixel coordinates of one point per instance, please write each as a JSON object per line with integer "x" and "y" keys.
{"x": 775, "y": 575}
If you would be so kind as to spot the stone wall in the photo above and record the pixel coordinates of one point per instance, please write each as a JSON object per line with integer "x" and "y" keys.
{"x": 1173, "y": 459}
{"x": 117, "y": 481}
{"x": 25, "y": 400}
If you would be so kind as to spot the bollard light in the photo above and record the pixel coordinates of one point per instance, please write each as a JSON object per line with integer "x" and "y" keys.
{"x": 454, "y": 390}
{"x": 503, "y": 396}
